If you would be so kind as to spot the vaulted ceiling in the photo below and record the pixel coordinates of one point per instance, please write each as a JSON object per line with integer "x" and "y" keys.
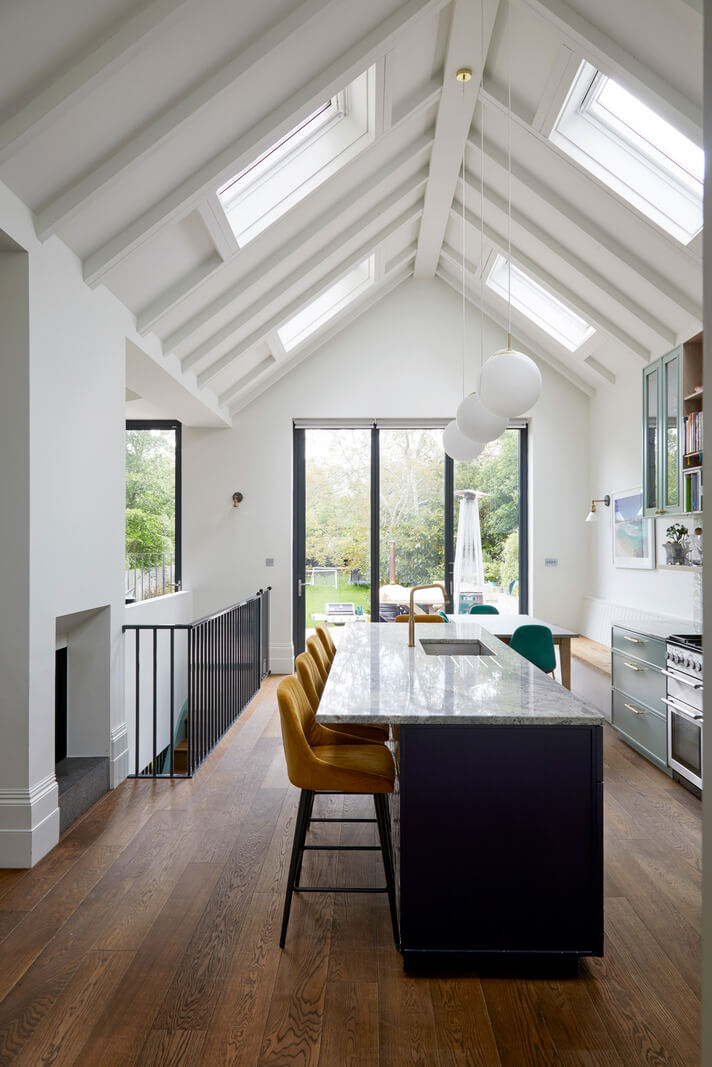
{"x": 120, "y": 121}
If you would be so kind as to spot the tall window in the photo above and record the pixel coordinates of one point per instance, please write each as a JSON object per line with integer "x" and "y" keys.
{"x": 153, "y": 550}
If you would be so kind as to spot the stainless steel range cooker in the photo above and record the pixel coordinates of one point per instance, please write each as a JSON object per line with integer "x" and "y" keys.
{"x": 685, "y": 688}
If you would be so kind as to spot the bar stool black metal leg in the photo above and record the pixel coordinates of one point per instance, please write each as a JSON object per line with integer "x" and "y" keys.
{"x": 384, "y": 834}
{"x": 306, "y": 800}
{"x": 310, "y": 809}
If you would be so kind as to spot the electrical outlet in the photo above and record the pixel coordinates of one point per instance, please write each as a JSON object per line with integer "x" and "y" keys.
{"x": 549, "y": 561}
{"x": 269, "y": 562}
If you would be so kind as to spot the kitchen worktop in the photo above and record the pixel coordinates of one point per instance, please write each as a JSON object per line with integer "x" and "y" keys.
{"x": 660, "y": 628}
{"x": 376, "y": 678}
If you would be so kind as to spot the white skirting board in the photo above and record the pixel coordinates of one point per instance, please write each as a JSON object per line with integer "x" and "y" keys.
{"x": 29, "y": 823}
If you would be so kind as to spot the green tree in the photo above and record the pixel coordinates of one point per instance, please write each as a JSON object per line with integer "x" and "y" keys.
{"x": 150, "y": 491}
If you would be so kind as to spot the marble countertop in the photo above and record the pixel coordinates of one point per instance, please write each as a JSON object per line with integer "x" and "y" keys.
{"x": 377, "y": 678}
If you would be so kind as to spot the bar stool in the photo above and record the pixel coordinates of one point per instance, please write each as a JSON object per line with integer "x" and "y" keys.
{"x": 421, "y": 618}
{"x": 322, "y": 632}
{"x": 484, "y": 609}
{"x": 317, "y": 763}
{"x": 313, "y": 686}
{"x": 317, "y": 653}
{"x": 536, "y": 643}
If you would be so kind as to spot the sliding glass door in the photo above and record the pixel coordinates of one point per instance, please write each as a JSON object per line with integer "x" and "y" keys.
{"x": 376, "y": 512}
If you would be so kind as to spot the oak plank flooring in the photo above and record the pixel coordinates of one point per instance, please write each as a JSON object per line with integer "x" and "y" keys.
{"x": 150, "y": 936}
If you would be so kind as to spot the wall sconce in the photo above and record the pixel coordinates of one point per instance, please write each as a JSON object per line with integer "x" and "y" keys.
{"x": 236, "y": 498}
{"x": 593, "y": 514}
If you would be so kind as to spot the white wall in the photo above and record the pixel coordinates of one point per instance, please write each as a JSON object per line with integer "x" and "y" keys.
{"x": 72, "y": 447}
{"x": 616, "y": 464}
{"x": 400, "y": 359}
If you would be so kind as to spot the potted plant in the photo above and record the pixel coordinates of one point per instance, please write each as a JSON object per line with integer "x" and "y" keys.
{"x": 675, "y": 546}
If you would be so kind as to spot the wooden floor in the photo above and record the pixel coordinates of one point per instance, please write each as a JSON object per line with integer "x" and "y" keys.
{"x": 149, "y": 935}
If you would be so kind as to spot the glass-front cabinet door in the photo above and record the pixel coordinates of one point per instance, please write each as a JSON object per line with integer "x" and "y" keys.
{"x": 651, "y": 391}
{"x": 662, "y": 405}
{"x": 670, "y": 430}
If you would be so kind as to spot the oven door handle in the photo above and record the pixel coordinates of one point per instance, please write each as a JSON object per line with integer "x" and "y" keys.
{"x": 699, "y": 718}
{"x": 683, "y": 679}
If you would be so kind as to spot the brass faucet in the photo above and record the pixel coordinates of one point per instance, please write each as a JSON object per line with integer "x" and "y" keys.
{"x": 411, "y": 616}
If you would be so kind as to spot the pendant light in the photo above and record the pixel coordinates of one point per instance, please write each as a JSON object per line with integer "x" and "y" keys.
{"x": 461, "y": 447}
{"x": 472, "y": 417}
{"x": 510, "y": 382}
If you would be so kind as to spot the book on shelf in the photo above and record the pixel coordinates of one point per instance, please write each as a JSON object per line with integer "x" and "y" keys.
{"x": 692, "y": 490}
{"x": 692, "y": 432}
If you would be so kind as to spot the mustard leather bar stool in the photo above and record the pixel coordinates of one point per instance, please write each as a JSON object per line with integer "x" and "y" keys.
{"x": 317, "y": 653}
{"x": 536, "y": 643}
{"x": 317, "y": 762}
{"x": 421, "y": 618}
{"x": 484, "y": 609}
{"x": 313, "y": 686}
{"x": 322, "y": 632}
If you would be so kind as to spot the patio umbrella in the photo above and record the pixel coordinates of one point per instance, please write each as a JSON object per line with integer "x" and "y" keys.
{"x": 469, "y": 575}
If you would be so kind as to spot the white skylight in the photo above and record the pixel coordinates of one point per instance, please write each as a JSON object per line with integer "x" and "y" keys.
{"x": 300, "y": 160}
{"x": 538, "y": 304}
{"x": 328, "y": 304}
{"x": 634, "y": 151}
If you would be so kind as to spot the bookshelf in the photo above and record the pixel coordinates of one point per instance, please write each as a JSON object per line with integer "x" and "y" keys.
{"x": 691, "y": 430}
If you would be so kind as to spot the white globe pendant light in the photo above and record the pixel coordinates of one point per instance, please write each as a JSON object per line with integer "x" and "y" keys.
{"x": 459, "y": 447}
{"x": 510, "y": 383}
{"x": 474, "y": 420}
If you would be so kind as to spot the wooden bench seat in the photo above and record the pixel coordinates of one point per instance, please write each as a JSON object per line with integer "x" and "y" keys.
{"x": 593, "y": 653}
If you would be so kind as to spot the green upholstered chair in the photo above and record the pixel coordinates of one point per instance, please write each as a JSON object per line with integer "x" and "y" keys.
{"x": 536, "y": 644}
{"x": 443, "y": 616}
{"x": 483, "y": 609}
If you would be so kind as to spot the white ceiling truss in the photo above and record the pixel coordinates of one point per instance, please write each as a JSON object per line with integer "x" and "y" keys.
{"x": 119, "y": 122}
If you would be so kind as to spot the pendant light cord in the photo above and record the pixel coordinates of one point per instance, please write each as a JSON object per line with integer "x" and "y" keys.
{"x": 509, "y": 183}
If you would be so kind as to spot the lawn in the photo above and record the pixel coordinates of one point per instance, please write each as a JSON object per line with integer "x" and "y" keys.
{"x": 318, "y": 596}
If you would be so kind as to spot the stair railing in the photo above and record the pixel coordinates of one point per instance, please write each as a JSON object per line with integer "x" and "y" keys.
{"x": 194, "y": 678}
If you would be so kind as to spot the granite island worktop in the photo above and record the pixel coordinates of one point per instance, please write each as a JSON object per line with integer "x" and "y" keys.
{"x": 376, "y": 677}
{"x": 497, "y": 812}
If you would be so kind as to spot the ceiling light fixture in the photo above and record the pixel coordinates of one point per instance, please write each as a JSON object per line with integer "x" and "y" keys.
{"x": 510, "y": 382}
{"x": 472, "y": 418}
{"x": 459, "y": 443}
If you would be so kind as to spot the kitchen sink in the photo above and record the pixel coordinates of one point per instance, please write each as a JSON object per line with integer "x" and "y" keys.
{"x": 449, "y": 646}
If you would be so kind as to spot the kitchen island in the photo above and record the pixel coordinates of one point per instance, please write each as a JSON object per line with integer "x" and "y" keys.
{"x": 497, "y": 815}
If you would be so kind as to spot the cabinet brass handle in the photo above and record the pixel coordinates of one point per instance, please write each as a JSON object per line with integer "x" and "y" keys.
{"x": 660, "y": 511}
{"x": 633, "y": 640}
{"x": 636, "y": 711}
{"x": 633, "y": 667}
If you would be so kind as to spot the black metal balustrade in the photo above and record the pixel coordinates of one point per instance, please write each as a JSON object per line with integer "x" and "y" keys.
{"x": 194, "y": 679}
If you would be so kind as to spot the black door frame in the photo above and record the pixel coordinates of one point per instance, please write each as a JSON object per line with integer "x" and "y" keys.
{"x": 299, "y": 527}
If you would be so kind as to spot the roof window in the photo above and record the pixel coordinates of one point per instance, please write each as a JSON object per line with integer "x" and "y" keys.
{"x": 328, "y": 304}
{"x": 300, "y": 160}
{"x": 634, "y": 151}
{"x": 539, "y": 305}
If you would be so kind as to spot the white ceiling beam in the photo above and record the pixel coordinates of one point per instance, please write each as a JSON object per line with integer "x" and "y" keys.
{"x": 271, "y": 241}
{"x": 610, "y": 57}
{"x": 103, "y": 176}
{"x": 450, "y": 263}
{"x": 264, "y": 133}
{"x": 80, "y": 77}
{"x": 220, "y": 231}
{"x": 457, "y": 105}
{"x": 289, "y": 255}
{"x": 171, "y": 297}
{"x": 663, "y": 284}
{"x": 284, "y": 312}
{"x": 599, "y": 368}
{"x": 239, "y": 400}
{"x": 581, "y": 266}
{"x": 586, "y": 310}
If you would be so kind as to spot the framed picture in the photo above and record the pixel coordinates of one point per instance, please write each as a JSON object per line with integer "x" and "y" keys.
{"x": 633, "y": 536}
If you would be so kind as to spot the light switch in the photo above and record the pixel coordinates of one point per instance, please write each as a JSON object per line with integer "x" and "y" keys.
{"x": 269, "y": 562}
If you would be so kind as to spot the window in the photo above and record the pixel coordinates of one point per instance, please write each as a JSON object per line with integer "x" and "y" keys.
{"x": 327, "y": 305}
{"x": 636, "y": 152}
{"x": 301, "y": 160}
{"x": 539, "y": 305}
{"x": 153, "y": 509}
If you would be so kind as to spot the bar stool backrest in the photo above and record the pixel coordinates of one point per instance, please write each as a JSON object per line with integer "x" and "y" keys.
{"x": 322, "y": 632}
{"x": 316, "y": 650}
{"x": 421, "y": 618}
{"x": 310, "y": 679}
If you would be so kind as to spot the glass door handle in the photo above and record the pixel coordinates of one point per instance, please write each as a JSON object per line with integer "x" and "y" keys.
{"x": 300, "y": 587}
